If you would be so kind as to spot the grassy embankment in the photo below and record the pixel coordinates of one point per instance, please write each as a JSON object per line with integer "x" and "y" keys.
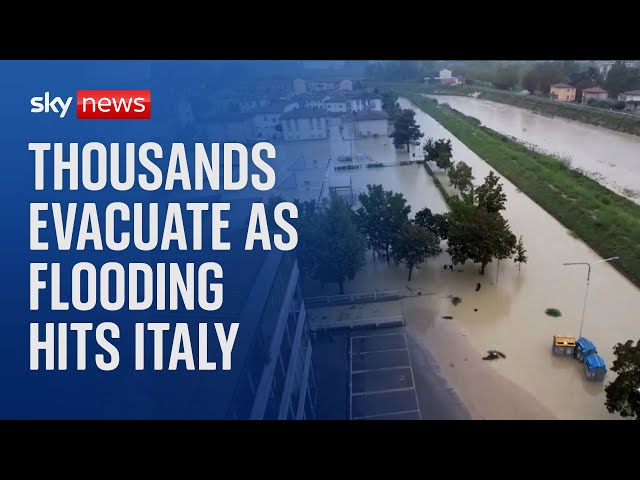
{"x": 608, "y": 223}
{"x": 621, "y": 122}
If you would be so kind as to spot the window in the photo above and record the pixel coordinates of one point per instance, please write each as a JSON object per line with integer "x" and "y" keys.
{"x": 311, "y": 123}
{"x": 296, "y": 123}
{"x": 318, "y": 123}
{"x": 265, "y": 118}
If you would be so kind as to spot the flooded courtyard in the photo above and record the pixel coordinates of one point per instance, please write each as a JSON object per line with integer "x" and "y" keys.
{"x": 612, "y": 158}
{"x": 508, "y": 313}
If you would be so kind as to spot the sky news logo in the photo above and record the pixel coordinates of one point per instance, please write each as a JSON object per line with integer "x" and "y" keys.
{"x": 98, "y": 104}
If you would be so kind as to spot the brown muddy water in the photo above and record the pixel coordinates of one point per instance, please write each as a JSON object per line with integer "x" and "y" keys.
{"x": 508, "y": 313}
{"x": 611, "y": 158}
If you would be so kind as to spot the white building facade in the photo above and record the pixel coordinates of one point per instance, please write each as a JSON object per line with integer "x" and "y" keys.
{"x": 304, "y": 124}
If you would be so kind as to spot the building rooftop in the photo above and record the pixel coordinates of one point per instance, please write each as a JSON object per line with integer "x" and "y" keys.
{"x": 368, "y": 115}
{"x": 594, "y": 90}
{"x": 632, "y": 92}
{"x": 275, "y": 107}
{"x": 562, "y": 85}
{"x": 304, "y": 113}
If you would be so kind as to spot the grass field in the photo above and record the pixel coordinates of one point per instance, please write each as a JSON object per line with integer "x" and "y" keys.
{"x": 607, "y": 222}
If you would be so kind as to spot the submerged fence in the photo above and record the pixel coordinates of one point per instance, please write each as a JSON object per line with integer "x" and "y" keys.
{"x": 369, "y": 297}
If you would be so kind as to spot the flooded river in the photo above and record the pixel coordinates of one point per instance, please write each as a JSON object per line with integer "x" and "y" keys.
{"x": 612, "y": 157}
{"x": 508, "y": 313}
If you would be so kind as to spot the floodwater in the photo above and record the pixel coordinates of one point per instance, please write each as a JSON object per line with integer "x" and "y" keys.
{"x": 611, "y": 158}
{"x": 508, "y": 313}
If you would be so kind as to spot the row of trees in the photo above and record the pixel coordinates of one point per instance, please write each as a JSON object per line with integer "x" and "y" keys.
{"x": 333, "y": 238}
{"x": 539, "y": 76}
{"x": 475, "y": 228}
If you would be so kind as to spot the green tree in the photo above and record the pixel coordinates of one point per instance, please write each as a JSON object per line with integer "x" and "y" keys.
{"x": 489, "y": 195}
{"x": 623, "y": 394}
{"x": 478, "y": 234}
{"x": 530, "y": 80}
{"x": 406, "y": 130}
{"x": 436, "y": 223}
{"x": 338, "y": 245}
{"x": 390, "y": 104}
{"x": 439, "y": 151}
{"x": 461, "y": 177}
{"x": 520, "y": 256}
{"x": 414, "y": 245}
{"x": 506, "y": 77}
{"x": 381, "y": 216}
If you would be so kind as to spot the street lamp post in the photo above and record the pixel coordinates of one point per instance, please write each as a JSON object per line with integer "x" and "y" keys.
{"x": 586, "y": 291}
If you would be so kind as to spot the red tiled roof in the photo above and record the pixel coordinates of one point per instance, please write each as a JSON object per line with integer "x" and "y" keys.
{"x": 594, "y": 90}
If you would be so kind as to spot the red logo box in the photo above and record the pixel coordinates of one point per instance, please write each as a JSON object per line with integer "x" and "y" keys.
{"x": 113, "y": 104}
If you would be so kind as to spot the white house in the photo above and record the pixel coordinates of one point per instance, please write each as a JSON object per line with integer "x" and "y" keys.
{"x": 368, "y": 123}
{"x": 304, "y": 124}
{"x": 444, "y": 74}
{"x": 631, "y": 99}
{"x": 323, "y": 84}
{"x": 266, "y": 120}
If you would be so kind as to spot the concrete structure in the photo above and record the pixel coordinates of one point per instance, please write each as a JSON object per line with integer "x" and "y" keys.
{"x": 278, "y": 380}
{"x": 444, "y": 74}
{"x": 368, "y": 123}
{"x": 562, "y": 92}
{"x": 594, "y": 93}
{"x": 324, "y": 84}
{"x": 304, "y": 124}
{"x": 631, "y": 99}
{"x": 299, "y": 86}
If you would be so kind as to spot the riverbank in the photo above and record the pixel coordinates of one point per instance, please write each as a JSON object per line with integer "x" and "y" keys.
{"x": 617, "y": 121}
{"x": 608, "y": 223}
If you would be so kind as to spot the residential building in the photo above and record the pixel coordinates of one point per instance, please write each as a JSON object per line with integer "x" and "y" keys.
{"x": 562, "y": 92}
{"x": 444, "y": 73}
{"x": 276, "y": 378}
{"x": 311, "y": 100}
{"x": 304, "y": 124}
{"x": 631, "y": 99}
{"x": 365, "y": 101}
{"x": 324, "y": 84}
{"x": 594, "y": 93}
{"x": 367, "y": 123}
{"x": 339, "y": 104}
{"x": 266, "y": 120}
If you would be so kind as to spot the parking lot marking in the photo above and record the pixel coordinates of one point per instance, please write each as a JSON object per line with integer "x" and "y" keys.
{"x": 381, "y": 368}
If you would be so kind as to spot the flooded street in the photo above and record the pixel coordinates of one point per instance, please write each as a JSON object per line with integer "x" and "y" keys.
{"x": 508, "y": 316}
{"x": 612, "y": 157}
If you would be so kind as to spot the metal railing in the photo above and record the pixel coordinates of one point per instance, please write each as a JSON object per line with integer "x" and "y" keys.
{"x": 369, "y": 297}
{"x": 357, "y": 323}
